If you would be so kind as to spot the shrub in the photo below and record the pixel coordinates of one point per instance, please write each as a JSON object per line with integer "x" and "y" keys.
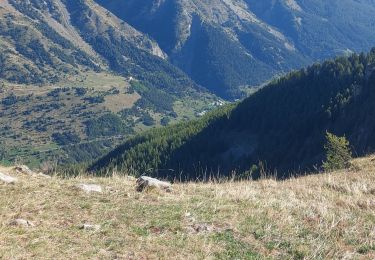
{"x": 338, "y": 154}
{"x": 54, "y": 93}
{"x": 106, "y": 125}
{"x": 66, "y": 138}
{"x": 95, "y": 100}
{"x": 10, "y": 100}
{"x": 165, "y": 121}
{"x": 79, "y": 91}
{"x": 147, "y": 120}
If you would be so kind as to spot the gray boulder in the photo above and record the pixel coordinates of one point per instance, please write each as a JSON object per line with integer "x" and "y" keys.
{"x": 144, "y": 183}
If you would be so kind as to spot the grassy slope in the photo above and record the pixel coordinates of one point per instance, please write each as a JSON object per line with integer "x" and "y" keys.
{"x": 29, "y": 145}
{"x": 321, "y": 216}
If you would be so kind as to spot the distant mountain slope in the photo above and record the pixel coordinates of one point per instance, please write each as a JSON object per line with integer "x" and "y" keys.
{"x": 282, "y": 126}
{"x": 74, "y": 78}
{"x": 45, "y": 38}
{"x": 33, "y": 52}
{"x": 225, "y": 44}
{"x": 321, "y": 29}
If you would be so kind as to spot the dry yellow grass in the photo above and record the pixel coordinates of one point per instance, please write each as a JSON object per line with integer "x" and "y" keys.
{"x": 327, "y": 216}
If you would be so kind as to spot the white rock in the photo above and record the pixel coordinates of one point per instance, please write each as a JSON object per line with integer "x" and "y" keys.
{"x": 7, "y": 179}
{"x": 90, "y": 188}
{"x": 90, "y": 227}
{"x": 22, "y": 223}
{"x": 145, "y": 182}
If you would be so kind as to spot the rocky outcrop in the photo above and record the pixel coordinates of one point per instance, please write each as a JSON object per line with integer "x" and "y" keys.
{"x": 145, "y": 183}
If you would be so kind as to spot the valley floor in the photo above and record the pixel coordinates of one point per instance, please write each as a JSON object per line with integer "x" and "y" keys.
{"x": 323, "y": 216}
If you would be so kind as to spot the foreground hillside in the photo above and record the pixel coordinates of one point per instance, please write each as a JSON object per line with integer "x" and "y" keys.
{"x": 315, "y": 217}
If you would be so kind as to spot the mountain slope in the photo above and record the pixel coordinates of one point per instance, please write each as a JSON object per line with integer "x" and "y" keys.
{"x": 281, "y": 127}
{"x": 320, "y": 29}
{"x": 77, "y": 79}
{"x": 46, "y": 33}
{"x": 32, "y": 52}
{"x": 226, "y": 44}
{"x": 67, "y": 66}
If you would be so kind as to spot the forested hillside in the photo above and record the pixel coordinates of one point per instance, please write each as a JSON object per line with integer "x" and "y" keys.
{"x": 280, "y": 128}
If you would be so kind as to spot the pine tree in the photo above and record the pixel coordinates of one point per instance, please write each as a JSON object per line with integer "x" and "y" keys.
{"x": 338, "y": 154}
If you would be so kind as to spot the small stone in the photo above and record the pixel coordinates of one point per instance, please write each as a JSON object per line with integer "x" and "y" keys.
{"x": 7, "y": 179}
{"x": 90, "y": 188}
{"x": 89, "y": 227}
{"x": 145, "y": 182}
{"x": 21, "y": 223}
